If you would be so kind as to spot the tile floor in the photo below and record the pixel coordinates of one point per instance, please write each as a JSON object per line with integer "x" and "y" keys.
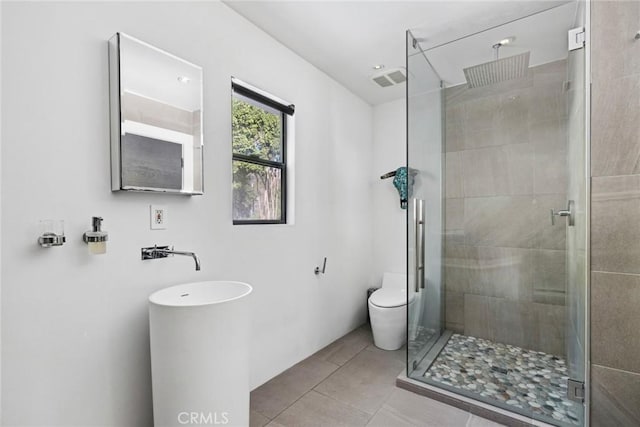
{"x": 350, "y": 383}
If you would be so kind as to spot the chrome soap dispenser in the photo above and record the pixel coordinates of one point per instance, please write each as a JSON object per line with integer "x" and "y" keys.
{"x": 96, "y": 238}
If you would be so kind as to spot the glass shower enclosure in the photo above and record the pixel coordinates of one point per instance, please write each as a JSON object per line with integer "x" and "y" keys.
{"x": 497, "y": 218}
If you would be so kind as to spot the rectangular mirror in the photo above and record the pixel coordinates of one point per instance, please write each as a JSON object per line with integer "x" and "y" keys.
{"x": 156, "y": 119}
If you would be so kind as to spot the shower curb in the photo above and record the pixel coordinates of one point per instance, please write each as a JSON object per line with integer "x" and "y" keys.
{"x": 470, "y": 405}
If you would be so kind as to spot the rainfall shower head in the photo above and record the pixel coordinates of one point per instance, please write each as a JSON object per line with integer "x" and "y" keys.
{"x": 500, "y": 70}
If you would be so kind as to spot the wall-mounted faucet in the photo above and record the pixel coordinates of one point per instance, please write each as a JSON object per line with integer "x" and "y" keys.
{"x": 155, "y": 252}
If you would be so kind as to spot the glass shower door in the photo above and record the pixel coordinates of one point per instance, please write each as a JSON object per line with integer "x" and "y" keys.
{"x": 516, "y": 279}
{"x": 424, "y": 212}
{"x": 577, "y": 193}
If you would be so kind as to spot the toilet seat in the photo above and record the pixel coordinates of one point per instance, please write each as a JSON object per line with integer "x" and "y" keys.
{"x": 389, "y": 297}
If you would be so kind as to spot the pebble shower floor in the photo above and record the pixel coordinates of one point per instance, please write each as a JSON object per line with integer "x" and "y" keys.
{"x": 525, "y": 379}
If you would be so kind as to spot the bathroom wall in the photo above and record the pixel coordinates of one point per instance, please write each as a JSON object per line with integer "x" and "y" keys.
{"x": 75, "y": 345}
{"x": 0, "y": 217}
{"x": 505, "y": 169}
{"x": 615, "y": 209}
{"x": 389, "y": 153}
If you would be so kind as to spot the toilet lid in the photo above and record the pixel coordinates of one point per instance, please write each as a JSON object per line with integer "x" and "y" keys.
{"x": 386, "y": 297}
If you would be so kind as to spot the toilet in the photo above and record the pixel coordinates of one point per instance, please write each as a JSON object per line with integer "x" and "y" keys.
{"x": 388, "y": 312}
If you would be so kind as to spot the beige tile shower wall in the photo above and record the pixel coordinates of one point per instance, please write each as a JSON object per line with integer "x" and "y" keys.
{"x": 505, "y": 169}
{"x": 615, "y": 214}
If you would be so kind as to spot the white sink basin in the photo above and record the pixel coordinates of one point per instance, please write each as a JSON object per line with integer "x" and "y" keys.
{"x": 200, "y": 293}
{"x": 199, "y": 335}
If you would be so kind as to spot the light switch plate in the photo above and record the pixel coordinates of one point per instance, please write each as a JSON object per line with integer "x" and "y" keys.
{"x": 159, "y": 217}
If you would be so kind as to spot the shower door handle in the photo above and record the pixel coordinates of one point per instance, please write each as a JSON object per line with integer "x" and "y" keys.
{"x": 568, "y": 213}
{"x": 418, "y": 215}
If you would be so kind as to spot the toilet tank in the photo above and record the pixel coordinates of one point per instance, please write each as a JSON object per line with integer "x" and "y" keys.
{"x": 394, "y": 280}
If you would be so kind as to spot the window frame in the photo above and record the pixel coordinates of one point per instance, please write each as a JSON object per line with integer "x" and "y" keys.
{"x": 285, "y": 110}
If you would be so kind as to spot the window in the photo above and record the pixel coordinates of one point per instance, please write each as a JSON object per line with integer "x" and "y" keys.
{"x": 259, "y": 145}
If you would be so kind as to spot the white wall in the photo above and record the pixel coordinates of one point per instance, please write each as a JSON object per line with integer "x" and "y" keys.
{"x": 0, "y": 217}
{"x": 389, "y": 153}
{"x": 74, "y": 327}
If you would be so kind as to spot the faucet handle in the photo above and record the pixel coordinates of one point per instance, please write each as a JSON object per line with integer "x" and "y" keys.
{"x": 567, "y": 212}
{"x": 154, "y": 252}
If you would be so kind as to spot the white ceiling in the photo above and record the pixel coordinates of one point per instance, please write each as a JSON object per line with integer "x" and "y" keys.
{"x": 345, "y": 39}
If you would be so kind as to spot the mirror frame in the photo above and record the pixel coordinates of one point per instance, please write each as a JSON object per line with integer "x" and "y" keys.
{"x": 115, "y": 110}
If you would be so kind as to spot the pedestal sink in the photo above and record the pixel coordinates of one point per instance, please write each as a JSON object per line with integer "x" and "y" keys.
{"x": 199, "y": 336}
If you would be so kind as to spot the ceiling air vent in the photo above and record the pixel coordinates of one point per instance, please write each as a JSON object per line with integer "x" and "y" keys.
{"x": 390, "y": 77}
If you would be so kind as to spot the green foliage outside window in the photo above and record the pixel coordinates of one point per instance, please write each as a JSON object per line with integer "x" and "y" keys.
{"x": 257, "y": 187}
